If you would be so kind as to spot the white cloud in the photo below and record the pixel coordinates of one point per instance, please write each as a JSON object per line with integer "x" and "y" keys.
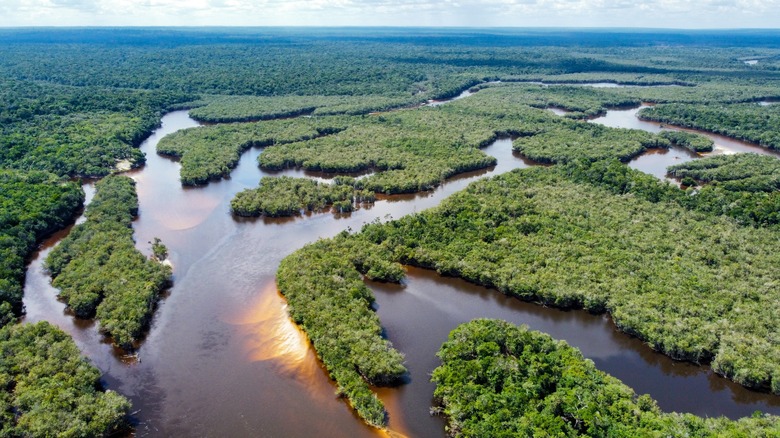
{"x": 521, "y": 13}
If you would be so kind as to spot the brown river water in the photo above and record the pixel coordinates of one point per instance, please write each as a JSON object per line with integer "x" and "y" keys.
{"x": 222, "y": 358}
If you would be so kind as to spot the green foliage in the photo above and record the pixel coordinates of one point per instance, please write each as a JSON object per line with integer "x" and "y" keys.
{"x": 577, "y": 140}
{"x": 410, "y": 151}
{"x": 738, "y": 199}
{"x": 99, "y": 271}
{"x": 696, "y": 286}
{"x": 75, "y": 102}
{"x": 211, "y": 152}
{"x": 286, "y": 196}
{"x": 159, "y": 250}
{"x": 221, "y": 109}
{"x": 75, "y": 131}
{"x": 689, "y": 140}
{"x": 328, "y": 299}
{"x": 716, "y": 89}
{"x": 750, "y": 122}
{"x": 32, "y": 206}
{"x": 583, "y": 102}
{"x": 501, "y": 380}
{"x": 738, "y": 172}
{"x": 613, "y": 79}
{"x": 48, "y": 389}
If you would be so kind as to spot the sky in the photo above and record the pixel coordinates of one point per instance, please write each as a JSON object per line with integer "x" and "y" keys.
{"x": 723, "y": 14}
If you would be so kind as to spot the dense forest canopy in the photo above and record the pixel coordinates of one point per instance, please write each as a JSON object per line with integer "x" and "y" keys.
{"x": 286, "y": 196}
{"x": 32, "y": 206}
{"x": 751, "y": 122}
{"x": 684, "y": 277}
{"x": 690, "y": 272}
{"x": 48, "y": 389}
{"x": 99, "y": 271}
{"x": 501, "y": 380}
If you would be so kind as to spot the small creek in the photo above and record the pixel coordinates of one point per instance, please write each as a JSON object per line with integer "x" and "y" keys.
{"x": 223, "y": 359}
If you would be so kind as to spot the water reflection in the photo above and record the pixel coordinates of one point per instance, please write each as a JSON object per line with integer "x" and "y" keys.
{"x": 221, "y": 359}
{"x": 434, "y": 305}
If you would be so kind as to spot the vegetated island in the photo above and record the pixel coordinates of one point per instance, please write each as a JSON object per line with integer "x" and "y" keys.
{"x": 500, "y": 380}
{"x": 750, "y": 122}
{"x": 99, "y": 271}
{"x": 286, "y": 196}
{"x": 211, "y": 152}
{"x": 689, "y": 140}
{"x": 690, "y": 281}
{"x": 412, "y": 150}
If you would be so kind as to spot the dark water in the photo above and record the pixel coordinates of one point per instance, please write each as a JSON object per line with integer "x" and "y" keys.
{"x": 419, "y": 315}
{"x": 223, "y": 359}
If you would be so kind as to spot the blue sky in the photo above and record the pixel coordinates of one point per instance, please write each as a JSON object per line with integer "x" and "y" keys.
{"x": 516, "y": 13}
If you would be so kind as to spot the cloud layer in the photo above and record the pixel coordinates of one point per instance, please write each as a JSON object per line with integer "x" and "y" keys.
{"x": 519, "y": 13}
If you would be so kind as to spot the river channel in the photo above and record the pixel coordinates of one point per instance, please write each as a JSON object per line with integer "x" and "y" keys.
{"x": 223, "y": 359}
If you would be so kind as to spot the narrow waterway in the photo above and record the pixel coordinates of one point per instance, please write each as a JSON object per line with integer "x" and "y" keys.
{"x": 223, "y": 359}
{"x": 656, "y": 161}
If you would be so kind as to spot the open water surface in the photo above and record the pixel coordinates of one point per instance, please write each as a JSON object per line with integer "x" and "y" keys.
{"x": 223, "y": 359}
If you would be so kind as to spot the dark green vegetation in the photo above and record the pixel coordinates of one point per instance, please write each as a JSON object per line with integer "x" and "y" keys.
{"x": 689, "y": 140}
{"x": 501, "y": 380}
{"x": 747, "y": 205}
{"x": 583, "y": 102}
{"x": 693, "y": 284}
{"x": 416, "y": 150}
{"x": 413, "y": 150}
{"x": 212, "y": 152}
{"x": 76, "y": 131}
{"x": 47, "y": 389}
{"x": 159, "y": 250}
{"x": 223, "y": 109}
{"x": 77, "y": 101}
{"x": 740, "y": 172}
{"x": 100, "y": 272}
{"x": 409, "y": 150}
{"x": 751, "y": 122}
{"x": 285, "y": 196}
{"x": 32, "y": 206}
{"x": 562, "y": 143}
{"x": 328, "y": 299}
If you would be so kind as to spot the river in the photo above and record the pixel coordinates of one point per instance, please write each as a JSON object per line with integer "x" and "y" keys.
{"x": 223, "y": 359}
{"x": 656, "y": 161}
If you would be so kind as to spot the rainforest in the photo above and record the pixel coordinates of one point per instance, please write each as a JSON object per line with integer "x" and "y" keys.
{"x": 389, "y": 232}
